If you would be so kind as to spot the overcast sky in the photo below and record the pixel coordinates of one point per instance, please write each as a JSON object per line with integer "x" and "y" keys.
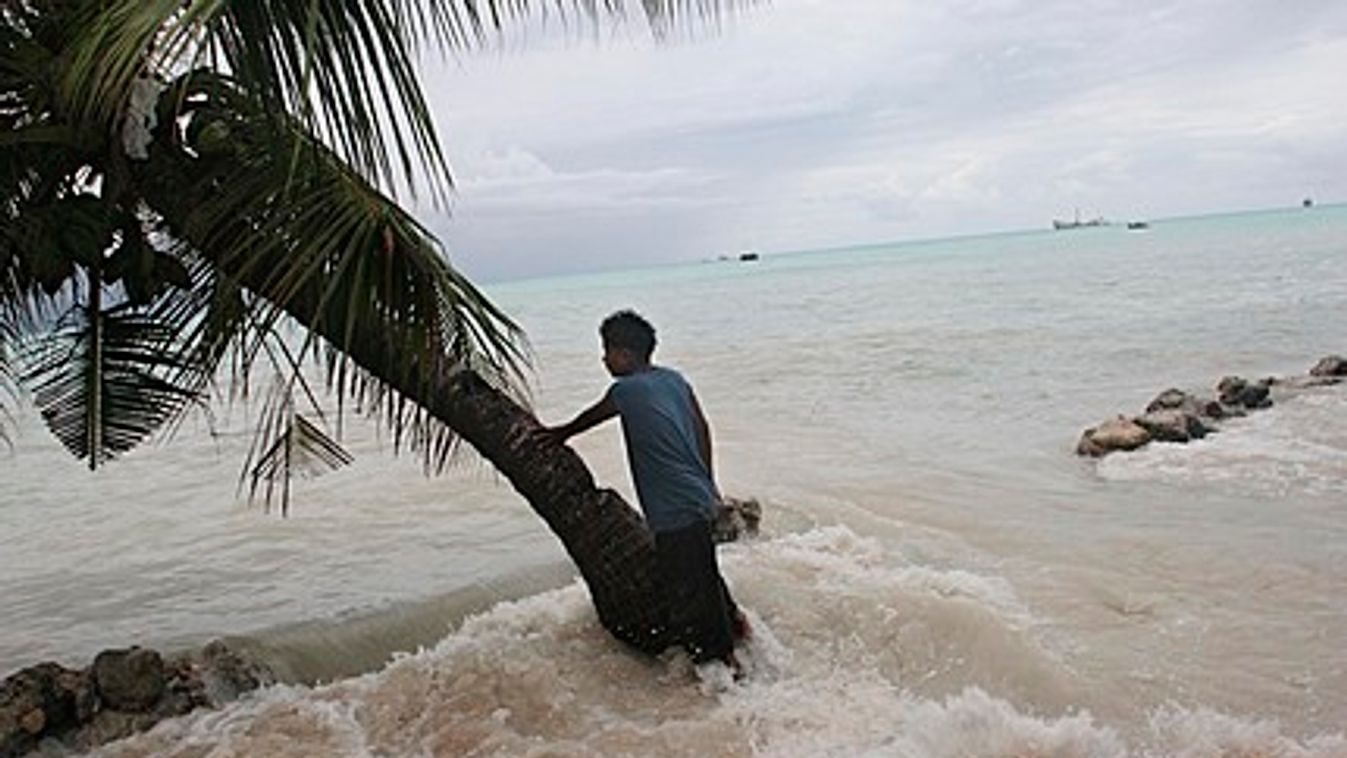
{"x": 817, "y": 123}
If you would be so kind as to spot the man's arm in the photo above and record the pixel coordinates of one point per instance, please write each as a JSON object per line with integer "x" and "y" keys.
{"x": 703, "y": 434}
{"x": 589, "y": 418}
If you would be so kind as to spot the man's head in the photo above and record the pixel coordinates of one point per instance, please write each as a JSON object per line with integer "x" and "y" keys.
{"x": 628, "y": 341}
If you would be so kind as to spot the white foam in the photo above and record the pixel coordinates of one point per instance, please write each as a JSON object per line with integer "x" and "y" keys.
{"x": 854, "y": 652}
{"x": 1296, "y": 446}
{"x": 1204, "y": 733}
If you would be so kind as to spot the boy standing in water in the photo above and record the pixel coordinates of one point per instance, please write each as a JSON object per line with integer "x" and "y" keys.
{"x": 669, "y": 451}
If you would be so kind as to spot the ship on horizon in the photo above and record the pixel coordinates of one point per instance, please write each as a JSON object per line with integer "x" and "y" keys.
{"x": 1077, "y": 223}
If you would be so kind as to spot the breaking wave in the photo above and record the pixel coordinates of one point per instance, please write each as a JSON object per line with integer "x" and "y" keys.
{"x": 856, "y": 651}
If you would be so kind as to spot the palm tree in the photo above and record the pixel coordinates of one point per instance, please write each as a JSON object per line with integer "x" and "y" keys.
{"x": 188, "y": 182}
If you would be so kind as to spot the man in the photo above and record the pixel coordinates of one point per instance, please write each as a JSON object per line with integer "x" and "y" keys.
{"x": 669, "y": 451}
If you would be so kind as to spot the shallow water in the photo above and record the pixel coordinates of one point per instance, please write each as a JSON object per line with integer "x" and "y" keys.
{"x": 941, "y": 576}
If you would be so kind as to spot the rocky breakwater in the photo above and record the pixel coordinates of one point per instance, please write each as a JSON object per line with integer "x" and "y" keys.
{"x": 122, "y": 692}
{"x": 1178, "y": 416}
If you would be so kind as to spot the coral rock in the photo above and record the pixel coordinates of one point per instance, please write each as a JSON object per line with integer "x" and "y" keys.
{"x": 1332, "y": 365}
{"x": 1173, "y": 425}
{"x": 1114, "y": 434}
{"x": 129, "y": 680}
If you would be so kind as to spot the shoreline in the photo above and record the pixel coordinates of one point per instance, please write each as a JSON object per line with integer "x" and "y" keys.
{"x": 124, "y": 691}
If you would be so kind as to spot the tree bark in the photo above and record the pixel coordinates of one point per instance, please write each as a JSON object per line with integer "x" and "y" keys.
{"x": 605, "y": 537}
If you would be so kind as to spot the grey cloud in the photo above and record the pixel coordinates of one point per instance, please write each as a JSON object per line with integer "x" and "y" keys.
{"x": 817, "y": 123}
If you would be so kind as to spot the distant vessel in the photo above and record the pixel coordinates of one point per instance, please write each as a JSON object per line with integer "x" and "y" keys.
{"x": 1076, "y": 223}
{"x": 1137, "y": 225}
{"x": 748, "y": 256}
{"x": 1307, "y": 202}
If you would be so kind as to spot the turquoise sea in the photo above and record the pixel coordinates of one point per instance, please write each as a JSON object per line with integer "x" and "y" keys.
{"x": 939, "y": 576}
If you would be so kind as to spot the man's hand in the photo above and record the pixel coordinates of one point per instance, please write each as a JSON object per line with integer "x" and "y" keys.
{"x": 589, "y": 418}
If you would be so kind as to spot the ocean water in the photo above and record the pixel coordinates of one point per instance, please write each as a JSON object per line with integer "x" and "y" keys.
{"x": 939, "y": 575}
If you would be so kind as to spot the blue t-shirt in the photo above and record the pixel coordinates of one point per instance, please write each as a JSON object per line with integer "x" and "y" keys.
{"x": 672, "y": 481}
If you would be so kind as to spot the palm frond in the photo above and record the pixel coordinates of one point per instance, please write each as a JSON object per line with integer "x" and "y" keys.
{"x": 346, "y": 69}
{"x": 9, "y": 335}
{"x": 301, "y": 449}
{"x": 287, "y": 445}
{"x": 274, "y": 213}
{"x": 12, "y": 296}
{"x": 99, "y": 380}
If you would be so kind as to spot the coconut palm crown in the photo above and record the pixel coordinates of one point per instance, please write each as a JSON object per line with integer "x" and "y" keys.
{"x": 178, "y": 177}
{"x": 188, "y": 184}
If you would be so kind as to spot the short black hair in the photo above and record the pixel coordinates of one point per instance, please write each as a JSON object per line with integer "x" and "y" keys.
{"x": 627, "y": 330}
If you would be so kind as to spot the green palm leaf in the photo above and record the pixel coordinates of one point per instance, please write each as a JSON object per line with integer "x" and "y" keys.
{"x": 99, "y": 380}
{"x": 347, "y": 69}
{"x": 275, "y": 214}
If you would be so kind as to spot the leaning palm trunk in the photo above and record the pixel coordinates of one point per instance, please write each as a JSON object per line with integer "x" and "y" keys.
{"x": 605, "y": 537}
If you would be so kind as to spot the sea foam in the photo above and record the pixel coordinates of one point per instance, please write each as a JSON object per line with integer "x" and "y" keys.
{"x": 1297, "y": 446}
{"x": 855, "y": 652}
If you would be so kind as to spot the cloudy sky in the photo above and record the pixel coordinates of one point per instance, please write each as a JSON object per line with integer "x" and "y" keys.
{"x": 806, "y": 124}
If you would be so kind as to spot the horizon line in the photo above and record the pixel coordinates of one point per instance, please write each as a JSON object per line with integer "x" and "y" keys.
{"x": 898, "y": 242}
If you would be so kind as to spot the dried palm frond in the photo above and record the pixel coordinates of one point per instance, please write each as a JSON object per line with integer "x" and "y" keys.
{"x": 288, "y": 445}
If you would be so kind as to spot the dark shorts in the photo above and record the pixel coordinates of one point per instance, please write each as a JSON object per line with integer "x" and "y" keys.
{"x": 701, "y": 611}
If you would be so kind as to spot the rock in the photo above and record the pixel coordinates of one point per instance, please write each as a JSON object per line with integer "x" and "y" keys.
{"x": 224, "y": 674}
{"x": 736, "y": 519}
{"x": 79, "y": 684}
{"x": 124, "y": 691}
{"x": 41, "y": 701}
{"x": 129, "y": 680}
{"x": 1238, "y": 392}
{"x": 33, "y": 721}
{"x": 1255, "y": 396}
{"x": 1332, "y": 365}
{"x": 184, "y": 690}
{"x": 1170, "y": 398}
{"x": 1173, "y": 425}
{"x": 1115, "y": 434}
{"x": 110, "y": 726}
{"x": 1228, "y": 389}
{"x": 1177, "y": 416}
{"x": 1175, "y": 399}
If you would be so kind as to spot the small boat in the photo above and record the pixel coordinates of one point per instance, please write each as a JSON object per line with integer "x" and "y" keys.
{"x": 1136, "y": 226}
{"x": 1307, "y": 202}
{"x": 748, "y": 256}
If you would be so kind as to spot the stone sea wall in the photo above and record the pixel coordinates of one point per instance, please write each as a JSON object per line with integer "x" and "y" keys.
{"x": 122, "y": 692}
{"x": 1178, "y": 416}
